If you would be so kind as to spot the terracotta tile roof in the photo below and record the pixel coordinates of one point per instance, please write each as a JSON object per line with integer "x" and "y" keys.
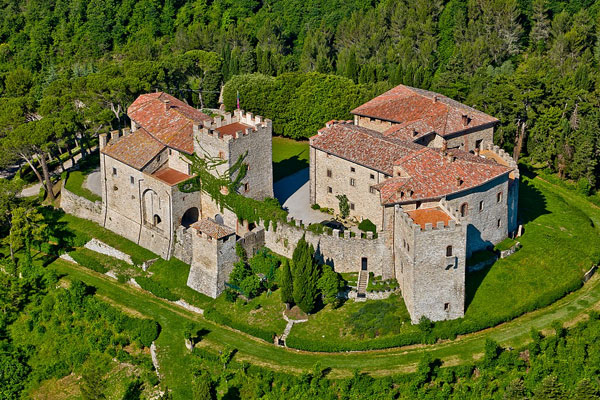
{"x": 136, "y": 149}
{"x": 230, "y": 129}
{"x": 363, "y": 146}
{"x": 172, "y": 125}
{"x": 170, "y": 176}
{"x": 431, "y": 174}
{"x": 212, "y": 228}
{"x": 423, "y": 216}
{"x": 408, "y": 106}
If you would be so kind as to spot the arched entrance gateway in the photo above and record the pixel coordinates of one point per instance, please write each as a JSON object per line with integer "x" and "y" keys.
{"x": 190, "y": 216}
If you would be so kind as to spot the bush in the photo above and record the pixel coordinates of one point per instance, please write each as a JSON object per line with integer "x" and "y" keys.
{"x": 156, "y": 288}
{"x": 250, "y": 286}
{"x": 84, "y": 258}
{"x": 367, "y": 226}
{"x": 213, "y": 315}
{"x": 315, "y": 206}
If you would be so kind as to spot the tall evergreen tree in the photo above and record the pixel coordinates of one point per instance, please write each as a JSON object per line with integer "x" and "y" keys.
{"x": 305, "y": 275}
{"x": 287, "y": 291}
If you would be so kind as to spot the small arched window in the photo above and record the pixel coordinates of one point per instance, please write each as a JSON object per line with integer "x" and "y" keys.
{"x": 464, "y": 210}
{"x": 449, "y": 251}
{"x": 156, "y": 219}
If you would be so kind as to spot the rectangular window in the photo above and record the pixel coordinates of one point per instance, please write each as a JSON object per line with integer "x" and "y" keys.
{"x": 352, "y": 169}
{"x": 352, "y": 182}
{"x": 246, "y": 187}
{"x": 372, "y": 176}
{"x": 352, "y": 206}
{"x": 221, "y": 155}
{"x": 132, "y": 180}
{"x": 446, "y": 306}
{"x": 329, "y": 189}
{"x": 114, "y": 171}
{"x": 170, "y": 151}
{"x": 499, "y": 223}
{"x": 499, "y": 197}
{"x": 371, "y": 189}
{"x": 481, "y": 206}
{"x": 329, "y": 174}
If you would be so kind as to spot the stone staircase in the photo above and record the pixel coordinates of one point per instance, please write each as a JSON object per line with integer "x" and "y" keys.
{"x": 363, "y": 280}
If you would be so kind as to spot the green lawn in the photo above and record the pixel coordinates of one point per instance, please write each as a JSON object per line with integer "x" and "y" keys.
{"x": 76, "y": 179}
{"x": 289, "y": 156}
{"x": 173, "y": 357}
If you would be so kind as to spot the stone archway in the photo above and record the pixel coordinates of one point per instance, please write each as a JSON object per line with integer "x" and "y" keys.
{"x": 150, "y": 207}
{"x": 190, "y": 216}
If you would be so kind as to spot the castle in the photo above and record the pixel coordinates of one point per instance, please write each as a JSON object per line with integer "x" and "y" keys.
{"x": 420, "y": 166}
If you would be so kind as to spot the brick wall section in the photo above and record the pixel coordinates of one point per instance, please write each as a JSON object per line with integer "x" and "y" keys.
{"x": 366, "y": 204}
{"x": 482, "y": 226}
{"x": 212, "y": 262}
{"x": 372, "y": 123}
{"x": 433, "y": 285}
{"x": 343, "y": 253}
{"x": 80, "y": 206}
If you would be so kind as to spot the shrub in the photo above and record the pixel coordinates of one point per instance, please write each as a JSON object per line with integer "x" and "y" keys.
{"x": 315, "y": 206}
{"x": 250, "y": 286}
{"x": 84, "y": 258}
{"x": 156, "y": 288}
{"x": 231, "y": 295}
{"x": 344, "y": 205}
{"x": 367, "y": 226}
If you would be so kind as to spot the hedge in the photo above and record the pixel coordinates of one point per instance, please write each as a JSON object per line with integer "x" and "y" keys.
{"x": 213, "y": 315}
{"x": 82, "y": 258}
{"x": 156, "y": 288}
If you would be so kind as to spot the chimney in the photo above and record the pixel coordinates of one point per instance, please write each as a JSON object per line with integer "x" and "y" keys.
{"x": 477, "y": 151}
{"x": 465, "y": 119}
{"x": 435, "y": 98}
{"x": 167, "y": 104}
{"x": 103, "y": 140}
{"x": 414, "y": 132}
{"x": 444, "y": 147}
{"x": 459, "y": 181}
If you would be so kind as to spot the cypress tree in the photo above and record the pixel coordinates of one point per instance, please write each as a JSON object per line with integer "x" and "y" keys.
{"x": 287, "y": 293}
{"x": 306, "y": 276}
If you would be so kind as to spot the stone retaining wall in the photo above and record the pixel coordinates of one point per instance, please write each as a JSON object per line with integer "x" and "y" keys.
{"x": 80, "y": 206}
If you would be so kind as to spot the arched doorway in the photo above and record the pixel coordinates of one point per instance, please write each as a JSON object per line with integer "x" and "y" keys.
{"x": 190, "y": 216}
{"x": 151, "y": 207}
{"x": 219, "y": 219}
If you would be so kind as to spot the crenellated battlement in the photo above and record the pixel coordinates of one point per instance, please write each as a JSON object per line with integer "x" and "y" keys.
{"x": 406, "y": 219}
{"x": 449, "y": 210}
{"x": 502, "y": 155}
{"x": 223, "y": 126}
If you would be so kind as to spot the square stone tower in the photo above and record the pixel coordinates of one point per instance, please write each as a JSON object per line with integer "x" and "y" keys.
{"x": 213, "y": 256}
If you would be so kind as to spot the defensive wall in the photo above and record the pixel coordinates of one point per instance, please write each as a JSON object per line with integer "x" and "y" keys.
{"x": 80, "y": 206}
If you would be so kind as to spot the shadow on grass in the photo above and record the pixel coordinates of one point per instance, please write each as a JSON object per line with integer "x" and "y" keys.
{"x": 288, "y": 166}
{"x": 532, "y": 203}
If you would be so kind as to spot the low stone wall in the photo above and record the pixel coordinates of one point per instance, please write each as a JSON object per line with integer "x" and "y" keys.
{"x": 512, "y": 250}
{"x": 342, "y": 252}
{"x": 102, "y": 248}
{"x": 380, "y": 295}
{"x": 182, "y": 248}
{"x": 80, "y": 206}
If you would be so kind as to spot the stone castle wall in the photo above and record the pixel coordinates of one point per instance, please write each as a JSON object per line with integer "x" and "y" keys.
{"x": 433, "y": 284}
{"x": 343, "y": 253}
{"x": 80, "y": 206}
{"x": 343, "y": 174}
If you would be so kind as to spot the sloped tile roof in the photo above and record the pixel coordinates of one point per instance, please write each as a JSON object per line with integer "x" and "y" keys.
{"x": 431, "y": 174}
{"x": 170, "y": 176}
{"x": 212, "y": 228}
{"x": 422, "y": 110}
{"x": 136, "y": 149}
{"x": 362, "y": 146}
{"x": 232, "y": 128}
{"x": 172, "y": 125}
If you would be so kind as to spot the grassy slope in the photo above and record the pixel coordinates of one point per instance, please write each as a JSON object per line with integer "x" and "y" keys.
{"x": 384, "y": 362}
{"x": 76, "y": 178}
{"x": 289, "y": 156}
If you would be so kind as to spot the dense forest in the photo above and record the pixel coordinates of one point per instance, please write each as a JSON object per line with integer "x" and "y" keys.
{"x": 69, "y": 69}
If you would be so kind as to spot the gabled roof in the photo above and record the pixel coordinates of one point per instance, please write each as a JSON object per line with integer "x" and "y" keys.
{"x": 170, "y": 176}
{"x": 422, "y": 110}
{"x": 212, "y": 228}
{"x": 168, "y": 119}
{"x": 362, "y": 146}
{"x": 136, "y": 149}
{"x": 432, "y": 174}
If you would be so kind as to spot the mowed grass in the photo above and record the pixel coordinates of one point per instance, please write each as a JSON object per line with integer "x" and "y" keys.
{"x": 289, "y": 156}
{"x": 561, "y": 242}
{"x": 76, "y": 179}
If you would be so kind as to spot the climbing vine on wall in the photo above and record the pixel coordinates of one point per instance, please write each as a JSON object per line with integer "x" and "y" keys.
{"x": 222, "y": 187}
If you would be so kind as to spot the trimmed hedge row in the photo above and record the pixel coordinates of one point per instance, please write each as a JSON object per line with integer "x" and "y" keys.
{"x": 213, "y": 315}
{"x": 156, "y": 288}
{"x": 82, "y": 258}
{"x": 440, "y": 330}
